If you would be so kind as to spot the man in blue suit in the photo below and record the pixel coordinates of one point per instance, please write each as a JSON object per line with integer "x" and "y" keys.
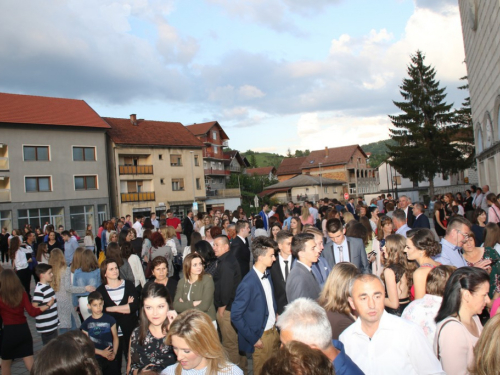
{"x": 264, "y": 217}
{"x": 253, "y": 312}
{"x": 421, "y": 220}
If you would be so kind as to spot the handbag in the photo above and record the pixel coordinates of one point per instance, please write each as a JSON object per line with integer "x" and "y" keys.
{"x": 102, "y": 257}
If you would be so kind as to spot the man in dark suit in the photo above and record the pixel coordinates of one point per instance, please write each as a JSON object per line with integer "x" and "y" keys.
{"x": 404, "y": 204}
{"x": 187, "y": 226}
{"x": 254, "y": 308}
{"x": 226, "y": 279}
{"x": 344, "y": 249}
{"x": 239, "y": 246}
{"x": 280, "y": 270}
{"x": 421, "y": 219}
{"x": 350, "y": 206}
{"x": 301, "y": 281}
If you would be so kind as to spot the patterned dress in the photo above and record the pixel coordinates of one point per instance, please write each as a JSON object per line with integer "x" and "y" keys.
{"x": 154, "y": 351}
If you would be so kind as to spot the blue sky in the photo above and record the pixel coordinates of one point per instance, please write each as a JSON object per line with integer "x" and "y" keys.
{"x": 276, "y": 74}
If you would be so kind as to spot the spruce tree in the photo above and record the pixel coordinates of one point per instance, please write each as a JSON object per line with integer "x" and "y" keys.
{"x": 425, "y": 131}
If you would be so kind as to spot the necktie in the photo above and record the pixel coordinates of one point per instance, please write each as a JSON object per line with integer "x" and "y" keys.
{"x": 265, "y": 276}
{"x": 341, "y": 254}
{"x": 286, "y": 269}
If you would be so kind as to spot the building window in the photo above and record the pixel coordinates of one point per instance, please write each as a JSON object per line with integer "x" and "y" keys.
{"x": 216, "y": 149}
{"x": 198, "y": 184}
{"x": 80, "y": 217}
{"x": 83, "y": 153}
{"x": 36, "y": 153}
{"x": 196, "y": 161}
{"x": 38, "y": 184}
{"x": 205, "y": 165}
{"x": 102, "y": 213}
{"x": 220, "y": 166}
{"x": 85, "y": 182}
{"x": 177, "y": 184}
{"x": 325, "y": 189}
{"x": 160, "y": 157}
{"x": 39, "y": 216}
{"x": 214, "y": 135}
{"x": 176, "y": 160}
{"x": 162, "y": 181}
{"x": 6, "y": 220}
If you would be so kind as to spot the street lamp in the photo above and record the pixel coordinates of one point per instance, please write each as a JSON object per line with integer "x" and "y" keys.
{"x": 195, "y": 208}
{"x": 320, "y": 179}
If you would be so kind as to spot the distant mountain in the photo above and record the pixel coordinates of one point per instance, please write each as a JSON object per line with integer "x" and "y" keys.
{"x": 263, "y": 159}
{"x": 378, "y": 150}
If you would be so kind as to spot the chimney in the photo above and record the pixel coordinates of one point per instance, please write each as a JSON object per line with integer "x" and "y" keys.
{"x": 133, "y": 119}
{"x": 326, "y": 151}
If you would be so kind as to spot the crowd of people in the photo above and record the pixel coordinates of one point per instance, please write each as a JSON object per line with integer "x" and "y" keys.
{"x": 314, "y": 288}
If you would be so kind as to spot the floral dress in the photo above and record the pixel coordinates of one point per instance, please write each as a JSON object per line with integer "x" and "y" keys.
{"x": 490, "y": 253}
{"x": 154, "y": 351}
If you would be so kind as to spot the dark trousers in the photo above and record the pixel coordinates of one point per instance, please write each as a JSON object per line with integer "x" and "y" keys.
{"x": 109, "y": 367}
{"x": 25, "y": 277}
{"x": 5, "y": 254}
{"x": 47, "y": 336}
{"x": 98, "y": 246}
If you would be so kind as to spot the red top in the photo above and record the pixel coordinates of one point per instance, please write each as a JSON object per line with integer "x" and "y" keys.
{"x": 15, "y": 315}
{"x": 174, "y": 222}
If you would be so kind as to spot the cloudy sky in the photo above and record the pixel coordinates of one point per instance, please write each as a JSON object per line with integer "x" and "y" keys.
{"x": 276, "y": 74}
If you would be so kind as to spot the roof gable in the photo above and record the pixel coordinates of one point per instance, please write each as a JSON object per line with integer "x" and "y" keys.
{"x": 262, "y": 171}
{"x": 44, "y": 110}
{"x": 291, "y": 166}
{"x": 205, "y": 127}
{"x": 330, "y": 156}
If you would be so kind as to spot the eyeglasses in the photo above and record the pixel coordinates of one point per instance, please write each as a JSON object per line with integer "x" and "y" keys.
{"x": 466, "y": 235}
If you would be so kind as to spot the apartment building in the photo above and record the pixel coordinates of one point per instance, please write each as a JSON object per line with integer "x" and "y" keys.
{"x": 154, "y": 166}
{"x": 52, "y": 163}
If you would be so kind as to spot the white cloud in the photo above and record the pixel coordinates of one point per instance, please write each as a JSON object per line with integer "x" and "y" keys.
{"x": 250, "y": 92}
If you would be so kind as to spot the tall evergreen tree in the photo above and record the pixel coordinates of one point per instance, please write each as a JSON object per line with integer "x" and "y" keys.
{"x": 465, "y": 131}
{"x": 425, "y": 132}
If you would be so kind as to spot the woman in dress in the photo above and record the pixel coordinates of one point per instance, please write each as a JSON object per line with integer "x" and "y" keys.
{"x": 121, "y": 302}
{"x": 17, "y": 340}
{"x": 198, "y": 222}
{"x": 439, "y": 219}
{"x": 160, "y": 276}
{"x": 384, "y": 229}
{"x": 198, "y": 348}
{"x": 492, "y": 236}
{"x": 334, "y": 297}
{"x": 208, "y": 255}
{"x": 397, "y": 275}
{"x": 306, "y": 217}
{"x": 421, "y": 247}
{"x": 114, "y": 252}
{"x": 89, "y": 274}
{"x": 42, "y": 253}
{"x": 494, "y": 208}
{"x": 478, "y": 225}
{"x": 40, "y": 236}
{"x": 295, "y": 225}
{"x": 274, "y": 230}
{"x": 448, "y": 203}
{"x": 196, "y": 289}
{"x": 458, "y": 325}
{"x": 148, "y": 350}
{"x": 372, "y": 215}
{"x": 20, "y": 263}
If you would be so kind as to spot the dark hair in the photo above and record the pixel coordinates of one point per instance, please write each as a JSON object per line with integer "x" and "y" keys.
{"x": 94, "y": 296}
{"x": 152, "y": 290}
{"x": 357, "y": 230}
{"x": 477, "y": 212}
{"x": 122, "y": 237}
{"x": 157, "y": 240}
{"x": 65, "y": 233}
{"x": 424, "y": 240}
{"x": 186, "y": 265}
{"x": 113, "y": 252}
{"x": 261, "y": 244}
{"x": 283, "y": 235}
{"x": 41, "y": 268}
{"x": 464, "y": 278}
{"x": 157, "y": 261}
{"x": 206, "y": 251}
{"x": 147, "y": 234}
{"x": 195, "y": 238}
{"x": 259, "y": 223}
{"x": 333, "y": 225}
{"x": 42, "y": 247}
{"x": 299, "y": 242}
{"x": 240, "y": 224}
{"x": 70, "y": 353}
{"x": 370, "y": 211}
{"x": 148, "y": 224}
{"x": 15, "y": 244}
{"x": 126, "y": 250}
{"x": 11, "y": 289}
{"x": 491, "y": 235}
{"x": 104, "y": 267}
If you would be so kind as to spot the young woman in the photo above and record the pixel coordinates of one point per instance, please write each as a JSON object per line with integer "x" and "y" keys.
{"x": 487, "y": 350}
{"x": 421, "y": 247}
{"x": 373, "y": 217}
{"x": 494, "y": 208}
{"x": 20, "y": 263}
{"x": 206, "y": 222}
{"x": 40, "y": 236}
{"x": 458, "y": 324}
{"x": 52, "y": 242}
{"x": 196, "y": 289}
{"x": 197, "y": 346}
{"x": 62, "y": 285}
{"x": 158, "y": 248}
{"x": 88, "y": 240}
{"x": 274, "y": 230}
{"x": 160, "y": 273}
{"x": 42, "y": 253}
{"x": 439, "y": 219}
{"x": 17, "y": 340}
{"x": 396, "y": 275}
{"x": 478, "y": 225}
{"x": 448, "y": 203}
{"x": 217, "y": 222}
{"x": 135, "y": 265}
{"x": 207, "y": 254}
{"x": 146, "y": 246}
{"x": 295, "y": 225}
{"x": 306, "y": 217}
{"x": 114, "y": 252}
{"x": 89, "y": 274}
{"x": 384, "y": 229}
{"x": 148, "y": 350}
{"x": 195, "y": 238}
{"x": 112, "y": 237}
{"x": 77, "y": 261}
{"x": 170, "y": 238}
{"x": 121, "y": 302}
{"x": 492, "y": 236}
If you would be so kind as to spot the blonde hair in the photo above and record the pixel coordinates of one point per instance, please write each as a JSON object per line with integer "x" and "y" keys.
{"x": 347, "y": 217}
{"x": 77, "y": 259}
{"x": 58, "y": 263}
{"x": 486, "y": 359}
{"x": 167, "y": 232}
{"x": 305, "y": 213}
{"x": 335, "y": 293}
{"x": 196, "y": 328}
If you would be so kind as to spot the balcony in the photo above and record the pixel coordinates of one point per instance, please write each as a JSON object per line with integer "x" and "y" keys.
{"x": 224, "y": 193}
{"x": 218, "y": 172}
{"x": 218, "y": 155}
{"x": 138, "y": 197}
{"x": 5, "y": 195}
{"x": 135, "y": 169}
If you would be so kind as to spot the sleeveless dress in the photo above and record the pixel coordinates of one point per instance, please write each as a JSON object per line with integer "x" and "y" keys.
{"x": 412, "y": 291}
{"x": 440, "y": 231}
{"x": 403, "y": 302}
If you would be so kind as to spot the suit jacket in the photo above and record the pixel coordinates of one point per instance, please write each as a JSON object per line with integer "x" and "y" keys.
{"x": 357, "y": 254}
{"x": 301, "y": 283}
{"x": 187, "y": 226}
{"x": 321, "y": 269}
{"x": 265, "y": 219}
{"x": 242, "y": 254}
{"x": 421, "y": 222}
{"x": 279, "y": 284}
{"x": 249, "y": 312}
{"x": 410, "y": 218}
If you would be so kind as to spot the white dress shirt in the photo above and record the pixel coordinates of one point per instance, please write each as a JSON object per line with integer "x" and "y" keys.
{"x": 271, "y": 319}
{"x": 138, "y": 228}
{"x": 345, "y": 251}
{"x": 305, "y": 265}
{"x": 283, "y": 265}
{"x": 397, "y": 347}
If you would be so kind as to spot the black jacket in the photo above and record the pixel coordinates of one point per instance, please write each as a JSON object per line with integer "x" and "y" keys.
{"x": 242, "y": 254}
{"x": 227, "y": 277}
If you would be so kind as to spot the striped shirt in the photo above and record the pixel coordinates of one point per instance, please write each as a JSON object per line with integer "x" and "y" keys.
{"x": 47, "y": 321}
{"x": 116, "y": 295}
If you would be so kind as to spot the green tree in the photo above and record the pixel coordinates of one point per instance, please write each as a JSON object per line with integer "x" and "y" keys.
{"x": 465, "y": 132}
{"x": 253, "y": 161}
{"x": 425, "y": 132}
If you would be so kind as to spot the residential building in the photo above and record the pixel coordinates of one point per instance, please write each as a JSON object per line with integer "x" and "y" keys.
{"x": 269, "y": 172}
{"x": 237, "y": 163}
{"x": 481, "y": 28}
{"x": 52, "y": 163}
{"x": 217, "y": 166}
{"x": 304, "y": 187}
{"x": 290, "y": 167}
{"x": 154, "y": 165}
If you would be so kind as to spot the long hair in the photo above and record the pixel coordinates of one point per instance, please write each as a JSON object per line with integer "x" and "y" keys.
{"x": 153, "y": 290}
{"x": 493, "y": 199}
{"x": 58, "y": 263}
{"x": 42, "y": 247}
{"x": 77, "y": 259}
{"x": 486, "y": 359}
{"x": 491, "y": 235}
{"x": 11, "y": 289}
{"x": 206, "y": 251}
{"x": 464, "y": 278}
{"x": 186, "y": 265}
{"x": 195, "y": 238}
{"x": 305, "y": 213}
{"x": 15, "y": 244}
{"x": 113, "y": 252}
{"x": 197, "y": 329}
{"x": 423, "y": 239}
{"x": 335, "y": 293}
{"x": 299, "y": 225}
{"x": 88, "y": 261}
{"x": 71, "y": 353}
{"x": 366, "y": 223}
{"x": 477, "y": 212}
{"x": 382, "y": 222}
{"x": 397, "y": 260}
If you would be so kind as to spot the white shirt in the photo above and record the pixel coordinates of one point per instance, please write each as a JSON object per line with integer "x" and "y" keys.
{"x": 305, "y": 265}
{"x": 402, "y": 231}
{"x": 314, "y": 212}
{"x": 345, "y": 251}
{"x": 398, "y": 347}
{"x": 138, "y": 228}
{"x": 20, "y": 260}
{"x": 283, "y": 265}
{"x": 271, "y": 319}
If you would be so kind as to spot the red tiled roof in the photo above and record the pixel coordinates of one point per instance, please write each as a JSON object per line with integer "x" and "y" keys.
{"x": 272, "y": 191}
{"x": 262, "y": 171}
{"x": 204, "y": 128}
{"x": 43, "y": 110}
{"x": 147, "y": 132}
{"x": 336, "y": 156}
{"x": 291, "y": 166}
